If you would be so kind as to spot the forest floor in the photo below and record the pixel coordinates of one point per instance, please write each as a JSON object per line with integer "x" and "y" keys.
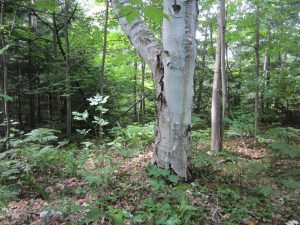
{"x": 245, "y": 184}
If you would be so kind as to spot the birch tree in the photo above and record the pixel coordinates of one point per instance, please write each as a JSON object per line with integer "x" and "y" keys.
{"x": 172, "y": 65}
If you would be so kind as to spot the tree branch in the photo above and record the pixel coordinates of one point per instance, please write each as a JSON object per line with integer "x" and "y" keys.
{"x": 41, "y": 20}
{"x": 139, "y": 34}
{"x": 70, "y": 18}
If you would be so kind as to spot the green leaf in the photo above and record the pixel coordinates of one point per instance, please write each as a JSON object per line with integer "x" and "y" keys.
{"x": 285, "y": 148}
{"x": 173, "y": 178}
{"x": 136, "y": 2}
{"x": 154, "y": 14}
{"x": 266, "y": 191}
{"x": 45, "y": 5}
{"x": 292, "y": 184}
{"x": 129, "y": 12}
{"x": 138, "y": 218}
{"x": 6, "y": 97}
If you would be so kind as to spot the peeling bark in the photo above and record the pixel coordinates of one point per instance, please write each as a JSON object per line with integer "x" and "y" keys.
{"x": 173, "y": 67}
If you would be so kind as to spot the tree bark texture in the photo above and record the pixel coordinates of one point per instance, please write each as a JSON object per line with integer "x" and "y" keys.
{"x": 68, "y": 81}
{"x": 142, "y": 94}
{"x": 219, "y": 93}
{"x": 31, "y": 72}
{"x": 173, "y": 67}
{"x": 135, "y": 110}
{"x": 216, "y": 102}
{"x": 257, "y": 40}
{"x": 5, "y": 76}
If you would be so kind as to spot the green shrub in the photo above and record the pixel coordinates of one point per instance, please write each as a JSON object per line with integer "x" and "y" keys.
{"x": 241, "y": 125}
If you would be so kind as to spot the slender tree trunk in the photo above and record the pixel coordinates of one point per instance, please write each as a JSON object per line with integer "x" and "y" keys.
{"x": 55, "y": 70}
{"x": 216, "y": 144}
{"x": 68, "y": 82}
{"x": 219, "y": 86}
{"x": 39, "y": 108}
{"x": 50, "y": 107}
{"x": 257, "y": 40}
{"x": 102, "y": 69}
{"x": 5, "y": 75}
{"x": 31, "y": 74}
{"x": 142, "y": 103}
{"x": 223, "y": 70}
{"x": 173, "y": 67}
{"x": 19, "y": 99}
{"x": 135, "y": 111}
{"x": 264, "y": 99}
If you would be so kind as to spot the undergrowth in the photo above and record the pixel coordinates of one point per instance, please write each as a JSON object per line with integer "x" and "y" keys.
{"x": 115, "y": 186}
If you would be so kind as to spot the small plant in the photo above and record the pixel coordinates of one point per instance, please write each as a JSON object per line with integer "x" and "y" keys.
{"x": 132, "y": 140}
{"x": 41, "y": 136}
{"x": 241, "y": 125}
{"x": 96, "y": 122}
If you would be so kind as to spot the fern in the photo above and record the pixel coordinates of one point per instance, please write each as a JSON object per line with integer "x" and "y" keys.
{"x": 42, "y": 136}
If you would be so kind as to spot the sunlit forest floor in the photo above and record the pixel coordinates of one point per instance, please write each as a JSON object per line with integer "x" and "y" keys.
{"x": 69, "y": 184}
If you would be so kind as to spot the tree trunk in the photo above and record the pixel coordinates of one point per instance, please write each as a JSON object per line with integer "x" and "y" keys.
{"x": 173, "y": 67}
{"x": 55, "y": 70}
{"x": 50, "y": 107}
{"x": 142, "y": 103}
{"x": 264, "y": 99}
{"x": 257, "y": 40}
{"x": 135, "y": 112}
{"x": 5, "y": 76}
{"x": 31, "y": 74}
{"x": 68, "y": 82}
{"x": 216, "y": 144}
{"x": 223, "y": 70}
{"x": 218, "y": 106}
{"x": 101, "y": 84}
{"x": 19, "y": 99}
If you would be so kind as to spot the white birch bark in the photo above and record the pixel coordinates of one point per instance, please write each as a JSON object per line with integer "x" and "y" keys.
{"x": 173, "y": 67}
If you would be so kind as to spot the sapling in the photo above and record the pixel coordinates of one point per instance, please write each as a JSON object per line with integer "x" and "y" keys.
{"x": 97, "y": 122}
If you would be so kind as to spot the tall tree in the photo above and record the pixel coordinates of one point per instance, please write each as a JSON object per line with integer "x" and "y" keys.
{"x": 31, "y": 69}
{"x": 218, "y": 106}
{"x": 172, "y": 65}
{"x": 5, "y": 73}
{"x": 142, "y": 94}
{"x": 102, "y": 69}
{"x": 67, "y": 59}
{"x": 257, "y": 40}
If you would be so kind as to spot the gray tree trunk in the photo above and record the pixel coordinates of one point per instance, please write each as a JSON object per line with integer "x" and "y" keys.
{"x": 223, "y": 70}
{"x": 142, "y": 95}
{"x": 135, "y": 110}
{"x": 216, "y": 144}
{"x": 5, "y": 76}
{"x": 31, "y": 71}
{"x": 68, "y": 82}
{"x": 173, "y": 67}
{"x": 219, "y": 93}
{"x": 257, "y": 40}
